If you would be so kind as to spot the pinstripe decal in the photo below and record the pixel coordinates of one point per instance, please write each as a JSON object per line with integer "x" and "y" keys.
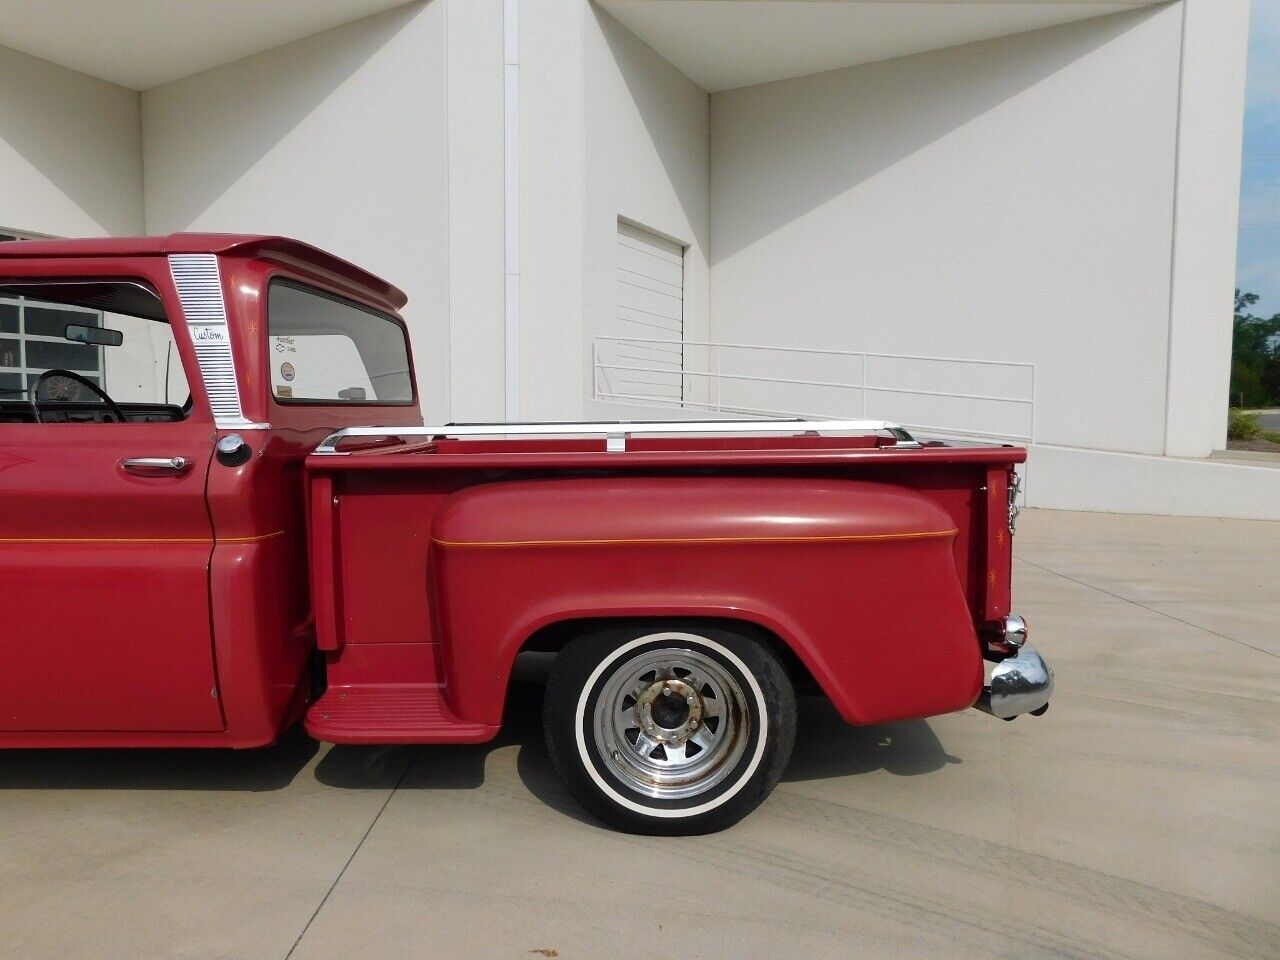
{"x": 845, "y": 538}
{"x": 209, "y": 540}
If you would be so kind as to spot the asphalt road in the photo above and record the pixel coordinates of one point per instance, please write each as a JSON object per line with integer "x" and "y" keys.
{"x": 1137, "y": 819}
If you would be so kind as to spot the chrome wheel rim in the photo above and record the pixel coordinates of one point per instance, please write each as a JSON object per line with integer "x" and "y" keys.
{"x": 671, "y": 723}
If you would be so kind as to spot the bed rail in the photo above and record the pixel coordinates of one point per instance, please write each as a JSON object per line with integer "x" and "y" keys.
{"x": 615, "y": 433}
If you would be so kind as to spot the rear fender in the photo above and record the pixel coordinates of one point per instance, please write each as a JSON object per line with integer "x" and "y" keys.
{"x": 859, "y": 579}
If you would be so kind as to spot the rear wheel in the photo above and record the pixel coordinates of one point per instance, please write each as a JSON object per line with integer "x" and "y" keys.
{"x": 674, "y": 732}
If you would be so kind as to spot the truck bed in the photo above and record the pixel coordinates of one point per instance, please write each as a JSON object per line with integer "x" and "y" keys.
{"x": 440, "y": 552}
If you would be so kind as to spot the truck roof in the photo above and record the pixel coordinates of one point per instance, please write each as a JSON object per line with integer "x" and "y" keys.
{"x": 264, "y": 245}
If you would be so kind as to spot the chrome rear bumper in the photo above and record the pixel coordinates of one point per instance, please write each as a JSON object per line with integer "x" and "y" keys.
{"x": 1019, "y": 684}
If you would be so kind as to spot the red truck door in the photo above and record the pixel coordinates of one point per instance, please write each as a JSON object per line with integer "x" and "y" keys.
{"x": 105, "y": 536}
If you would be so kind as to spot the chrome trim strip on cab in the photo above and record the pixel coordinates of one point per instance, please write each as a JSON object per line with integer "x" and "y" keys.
{"x": 198, "y": 280}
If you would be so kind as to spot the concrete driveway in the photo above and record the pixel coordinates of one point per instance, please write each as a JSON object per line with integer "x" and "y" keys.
{"x": 1139, "y": 818}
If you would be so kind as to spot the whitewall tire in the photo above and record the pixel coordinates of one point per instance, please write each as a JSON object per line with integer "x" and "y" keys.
{"x": 674, "y": 731}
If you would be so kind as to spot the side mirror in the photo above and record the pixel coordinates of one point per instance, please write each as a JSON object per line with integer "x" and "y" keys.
{"x": 101, "y": 336}
{"x": 351, "y": 393}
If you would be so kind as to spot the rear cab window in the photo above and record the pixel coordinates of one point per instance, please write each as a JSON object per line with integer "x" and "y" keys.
{"x": 328, "y": 350}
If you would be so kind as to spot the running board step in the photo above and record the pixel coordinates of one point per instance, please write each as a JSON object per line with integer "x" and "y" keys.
{"x": 390, "y": 713}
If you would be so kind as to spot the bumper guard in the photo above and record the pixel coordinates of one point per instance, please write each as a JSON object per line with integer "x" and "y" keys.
{"x": 1019, "y": 684}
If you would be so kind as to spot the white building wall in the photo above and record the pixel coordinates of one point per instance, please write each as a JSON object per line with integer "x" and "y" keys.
{"x": 1065, "y": 197}
{"x": 1210, "y": 144}
{"x": 476, "y": 297}
{"x": 647, "y": 160}
{"x": 1063, "y": 478}
{"x": 607, "y": 129}
{"x": 552, "y": 159}
{"x": 340, "y": 139}
{"x": 1011, "y": 199}
{"x": 70, "y": 151}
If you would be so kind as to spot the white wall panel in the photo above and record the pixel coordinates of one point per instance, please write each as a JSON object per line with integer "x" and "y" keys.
{"x": 341, "y": 140}
{"x": 1006, "y": 200}
{"x": 647, "y": 163}
{"x": 553, "y": 373}
{"x": 70, "y": 151}
{"x": 1210, "y": 126}
{"x": 476, "y": 339}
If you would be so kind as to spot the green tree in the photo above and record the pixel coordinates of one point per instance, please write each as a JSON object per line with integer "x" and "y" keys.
{"x": 1255, "y": 355}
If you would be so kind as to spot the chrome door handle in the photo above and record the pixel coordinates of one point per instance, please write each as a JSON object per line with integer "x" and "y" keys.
{"x": 151, "y": 465}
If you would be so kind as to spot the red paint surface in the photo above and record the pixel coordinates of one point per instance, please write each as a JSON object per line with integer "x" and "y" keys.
{"x": 868, "y": 569}
{"x": 181, "y": 616}
{"x": 105, "y": 582}
{"x": 183, "y": 611}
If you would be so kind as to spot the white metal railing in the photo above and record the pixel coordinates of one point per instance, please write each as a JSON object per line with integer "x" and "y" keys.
{"x": 944, "y": 396}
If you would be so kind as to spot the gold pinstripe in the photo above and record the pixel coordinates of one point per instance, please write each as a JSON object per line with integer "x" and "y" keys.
{"x": 254, "y": 539}
{"x": 840, "y": 538}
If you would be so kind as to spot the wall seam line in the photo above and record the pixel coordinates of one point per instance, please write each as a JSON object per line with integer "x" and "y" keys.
{"x": 448, "y": 219}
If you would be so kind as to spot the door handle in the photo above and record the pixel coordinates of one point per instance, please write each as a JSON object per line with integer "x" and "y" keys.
{"x": 156, "y": 465}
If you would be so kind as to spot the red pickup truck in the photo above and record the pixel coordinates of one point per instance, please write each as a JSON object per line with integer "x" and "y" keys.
{"x": 202, "y": 542}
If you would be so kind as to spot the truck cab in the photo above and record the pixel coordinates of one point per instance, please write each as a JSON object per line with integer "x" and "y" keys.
{"x": 158, "y": 397}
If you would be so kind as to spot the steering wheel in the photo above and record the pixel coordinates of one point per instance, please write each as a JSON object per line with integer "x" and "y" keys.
{"x": 71, "y": 375}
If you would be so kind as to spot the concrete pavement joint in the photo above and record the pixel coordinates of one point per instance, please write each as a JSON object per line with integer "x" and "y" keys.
{"x": 338, "y": 879}
{"x": 1143, "y": 606}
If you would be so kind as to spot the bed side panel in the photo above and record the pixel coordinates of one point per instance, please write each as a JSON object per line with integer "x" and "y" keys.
{"x": 859, "y": 577}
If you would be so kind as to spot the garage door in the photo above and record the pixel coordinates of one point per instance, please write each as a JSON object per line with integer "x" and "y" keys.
{"x": 650, "y": 306}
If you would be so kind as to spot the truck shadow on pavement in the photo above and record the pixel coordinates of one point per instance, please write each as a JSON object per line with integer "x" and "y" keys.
{"x": 826, "y": 748}
{"x": 268, "y": 768}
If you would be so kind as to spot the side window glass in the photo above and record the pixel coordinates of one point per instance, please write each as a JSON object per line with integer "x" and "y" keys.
{"x": 88, "y": 352}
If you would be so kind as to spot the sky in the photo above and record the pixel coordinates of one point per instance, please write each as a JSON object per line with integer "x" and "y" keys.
{"x": 1258, "y": 262}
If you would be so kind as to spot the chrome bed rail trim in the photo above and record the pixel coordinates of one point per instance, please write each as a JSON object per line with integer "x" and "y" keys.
{"x": 616, "y": 433}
